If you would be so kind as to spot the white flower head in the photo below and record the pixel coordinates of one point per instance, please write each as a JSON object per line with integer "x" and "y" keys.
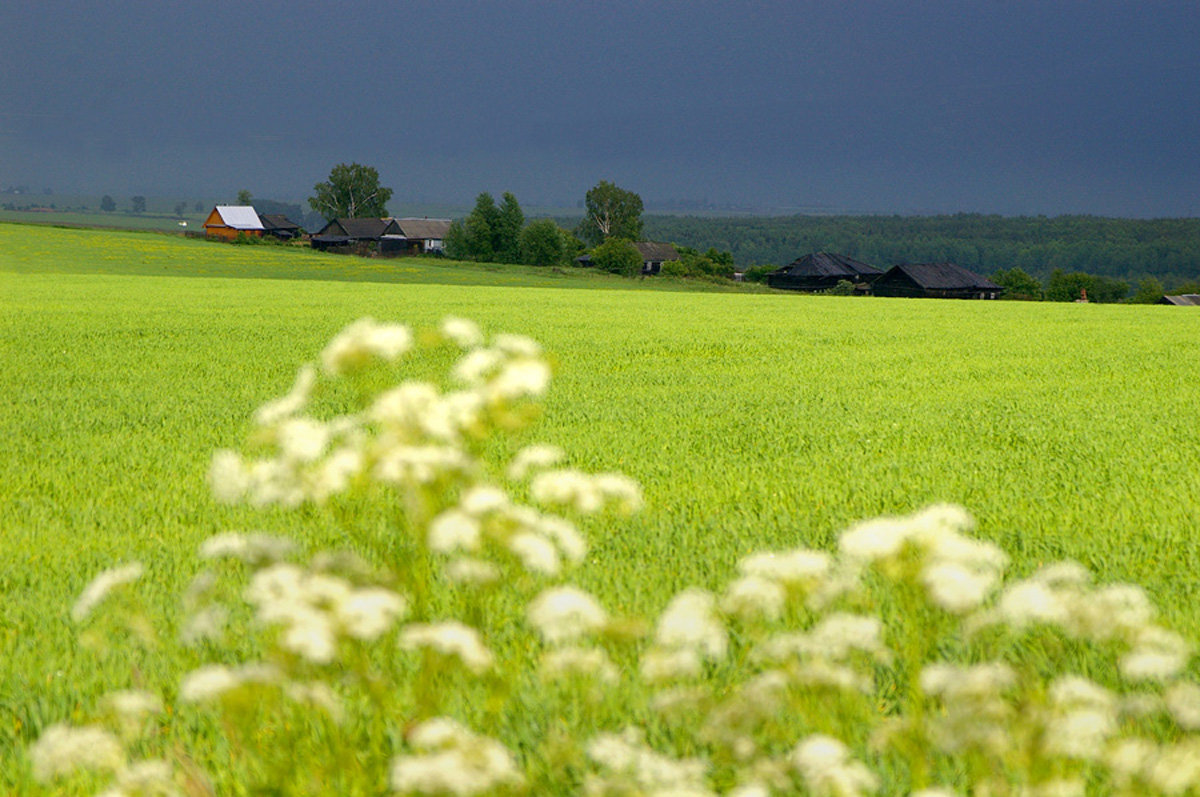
{"x": 369, "y": 612}
{"x": 534, "y": 457}
{"x": 690, "y": 621}
{"x": 454, "y": 530}
{"x": 561, "y": 614}
{"x": 102, "y": 586}
{"x": 450, "y": 639}
{"x": 363, "y": 340}
{"x": 63, "y": 749}
{"x": 464, "y": 332}
{"x": 827, "y": 768}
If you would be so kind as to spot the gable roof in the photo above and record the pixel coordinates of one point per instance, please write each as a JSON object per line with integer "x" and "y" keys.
{"x": 654, "y": 251}
{"x": 1183, "y": 299}
{"x": 828, "y": 264}
{"x": 425, "y": 229}
{"x": 277, "y": 221}
{"x": 942, "y": 277}
{"x": 362, "y": 228}
{"x": 239, "y": 217}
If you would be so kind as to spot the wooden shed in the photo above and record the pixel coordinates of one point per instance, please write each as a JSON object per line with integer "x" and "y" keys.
{"x": 226, "y": 222}
{"x": 358, "y": 236}
{"x": 423, "y": 236}
{"x": 1182, "y": 300}
{"x": 654, "y": 254}
{"x": 279, "y": 225}
{"x": 821, "y": 271}
{"x": 935, "y": 281}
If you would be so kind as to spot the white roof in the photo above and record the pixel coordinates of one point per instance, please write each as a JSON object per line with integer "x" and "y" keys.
{"x": 239, "y": 217}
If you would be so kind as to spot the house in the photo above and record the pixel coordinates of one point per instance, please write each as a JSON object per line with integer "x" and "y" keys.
{"x": 936, "y": 281}
{"x": 279, "y": 225}
{"x": 821, "y": 271}
{"x": 1183, "y": 300}
{"x": 359, "y": 236}
{"x": 654, "y": 254}
{"x": 423, "y": 236}
{"x": 226, "y": 222}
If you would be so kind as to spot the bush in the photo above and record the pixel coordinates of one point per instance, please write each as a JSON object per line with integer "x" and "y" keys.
{"x": 459, "y": 657}
{"x": 618, "y": 256}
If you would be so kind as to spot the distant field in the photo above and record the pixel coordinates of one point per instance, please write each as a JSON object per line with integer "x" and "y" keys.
{"x": 753, "y": 421}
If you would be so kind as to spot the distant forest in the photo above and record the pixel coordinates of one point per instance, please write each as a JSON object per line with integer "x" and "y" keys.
{"x": 1126, "y": 249}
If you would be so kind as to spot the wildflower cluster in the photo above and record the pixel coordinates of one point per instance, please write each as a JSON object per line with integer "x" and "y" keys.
{"x": 457, "y": 656}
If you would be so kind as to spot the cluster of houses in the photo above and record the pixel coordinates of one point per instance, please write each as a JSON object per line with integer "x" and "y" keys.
{"x": 822, "y": 271}
{"x": 386, "y": 236}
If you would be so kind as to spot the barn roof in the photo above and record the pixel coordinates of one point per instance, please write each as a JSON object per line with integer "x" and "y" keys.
{"x": 1184, "y": 299}
{"x": 653, "y": 250}
{"x": 828, "y": 264}
{"x": 423, "y": 228}
{"x": 277, "y": 221}
{"x": 360, "y": 228}
{"x": 943, "y": 277}
{"x": 239, "y": 217}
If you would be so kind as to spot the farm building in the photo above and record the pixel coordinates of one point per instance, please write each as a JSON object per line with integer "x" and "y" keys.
{"x": 1183, "y": 300}
{"x": 821, "y": 271}
{"x": 934, "y": 281}
{"x": 653, "y": 254}
{"x": 226, "y": 222}
{"x": 423, "y": 236}
{"x": 360, "y": 236}
{"x": 279, "y": 225}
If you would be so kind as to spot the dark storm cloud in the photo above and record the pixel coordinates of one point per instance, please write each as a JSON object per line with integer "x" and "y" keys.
{"x": 1051, "y": 106}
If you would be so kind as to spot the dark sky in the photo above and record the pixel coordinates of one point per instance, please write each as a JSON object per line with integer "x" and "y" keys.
{"x": 1008, "y": 106}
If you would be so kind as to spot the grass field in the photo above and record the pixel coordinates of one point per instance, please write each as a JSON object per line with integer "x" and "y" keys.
{"x": 752, "y": 420}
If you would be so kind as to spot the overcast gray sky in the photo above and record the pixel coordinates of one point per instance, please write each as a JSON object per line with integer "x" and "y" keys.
{"x": 1008, "y": 106}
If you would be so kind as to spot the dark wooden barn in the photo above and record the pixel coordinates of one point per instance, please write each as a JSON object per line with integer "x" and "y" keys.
{"x": 935, "y": 281}
{"x": 821, "y": 271}
{"x": 654, "y": 254}
{"x": 360, "y": 236}
{"x": 279, "y": 225}
{"x": 1182, "y": 300}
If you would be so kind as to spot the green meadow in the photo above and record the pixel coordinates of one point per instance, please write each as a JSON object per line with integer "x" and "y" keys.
{"x": 753, "y": 420}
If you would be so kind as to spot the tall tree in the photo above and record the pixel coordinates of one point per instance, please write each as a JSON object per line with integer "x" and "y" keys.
{"x": 138, "y": 203}
{"x": 506, "y": 240}
{"x": 611, "y": 212}
{"x": 244, "y": 197}
{"x": 542, "y": 244}
{"x": 108, "y": 204}
{"x": 352, "y": 191}
{"x": 480, "y": 229}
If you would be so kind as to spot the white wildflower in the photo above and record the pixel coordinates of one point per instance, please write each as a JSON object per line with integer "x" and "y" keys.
{"x": 792, "y": 568}
{"x": 561, "y": 614}
{"x": 638, "y": 769}
{"x": 274, "y": 411}
{"x": 253, "y": 549}
{"x": 462, "y": 331}
{"x": 453, "y": 760}
{"x": 450, "y": 639}
{"x": 1130, "y": 759}
{"x": 881, "y": 538}
{"x": 369, "y": 612}
{"x": 1183, "y": 701}
{"x": 689, "y": 621}
{"x": 579, "y": 662}
{"x": 466, "y": 570}
{"x": 150, "y": 778}
{"x": 752, "y": 598}
{"x": 1033, "y": 601}
{"x": 214, "y": 680}
{"x": 519, "y": 379}
{"x": 477, "y": 364}
{"x": 301, "y": 440}
{"x": 454, "y": 530}
{"x": 228, "y": 478}
{"x": 63, "y": 749}
{"x": 354, "y": 346}
{"x": 207, "y": 623}
{"x": 958, "y": 588}
{"x": 1083, "y": 716}
{"x": 1157, "y": 655}
{"x": 954, "y": 681}
{"x": 827, "y": 768}
{"x": 483, "y": 500}
{"x": 517, "y": 345}
{"x": 568, "y": 539}
{"x": 659, "y": 666}
{"x": 534, "y": 457}
{"x": 131, "y": 708}
{"x": 334, "y": 474}
{"x": 536, "y": 553}
{"x": 1176, "y": 768}
{"x": 404, "y": 404}
{"x": 102, "y": 586}
{"x": 402, "y": 464}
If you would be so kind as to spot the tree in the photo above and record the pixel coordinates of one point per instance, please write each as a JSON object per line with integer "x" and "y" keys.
{"x": 611, "y": 212}
{"x": 244, "y": 197}
{"x": 139, "y": 204}
{"x": 506, "y": 238}
{"x": 455, "y": 243}
{"x": 352, "y": 191}
{"x": 1018, "y": 284}
{"x": 542, "y": 243}
{"x": 1150, "y": 291}
{"x": 108, "y": 204}
{"x": 618, "y": 256}
{"x": 180, "y": 207}
{"x": 479, "y": 229}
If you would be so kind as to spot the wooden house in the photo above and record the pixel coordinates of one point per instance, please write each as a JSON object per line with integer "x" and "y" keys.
{"x": 821, "y": 271}
{"x": 420, "y": 236}
{"x": 1182, "y": 300}
{"x": 359, "y": 236}
{"x": 654, "y": 254}
{"x": 279, "y": 226}
{"x": 935, "y": 281}
{"x": 226, "y": 222}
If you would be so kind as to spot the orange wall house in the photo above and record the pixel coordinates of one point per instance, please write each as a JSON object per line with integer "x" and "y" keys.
{"x": 225, "y": 222}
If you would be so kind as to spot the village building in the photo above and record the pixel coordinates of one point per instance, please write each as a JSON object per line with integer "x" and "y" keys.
{"x": 654, "y": 254}
{"x": 226, "y": 222}
{"x": 279, "y": 226}
{"x": 935, "y": 281}
{"x": 1182, "y": 300}
{"x": 357, "y": 236}
{"x": 422, "y": 236}
{"x": 821, "y": 271}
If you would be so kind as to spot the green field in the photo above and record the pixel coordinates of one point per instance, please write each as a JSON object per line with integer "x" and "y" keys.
{"x": 752, "y": 420}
